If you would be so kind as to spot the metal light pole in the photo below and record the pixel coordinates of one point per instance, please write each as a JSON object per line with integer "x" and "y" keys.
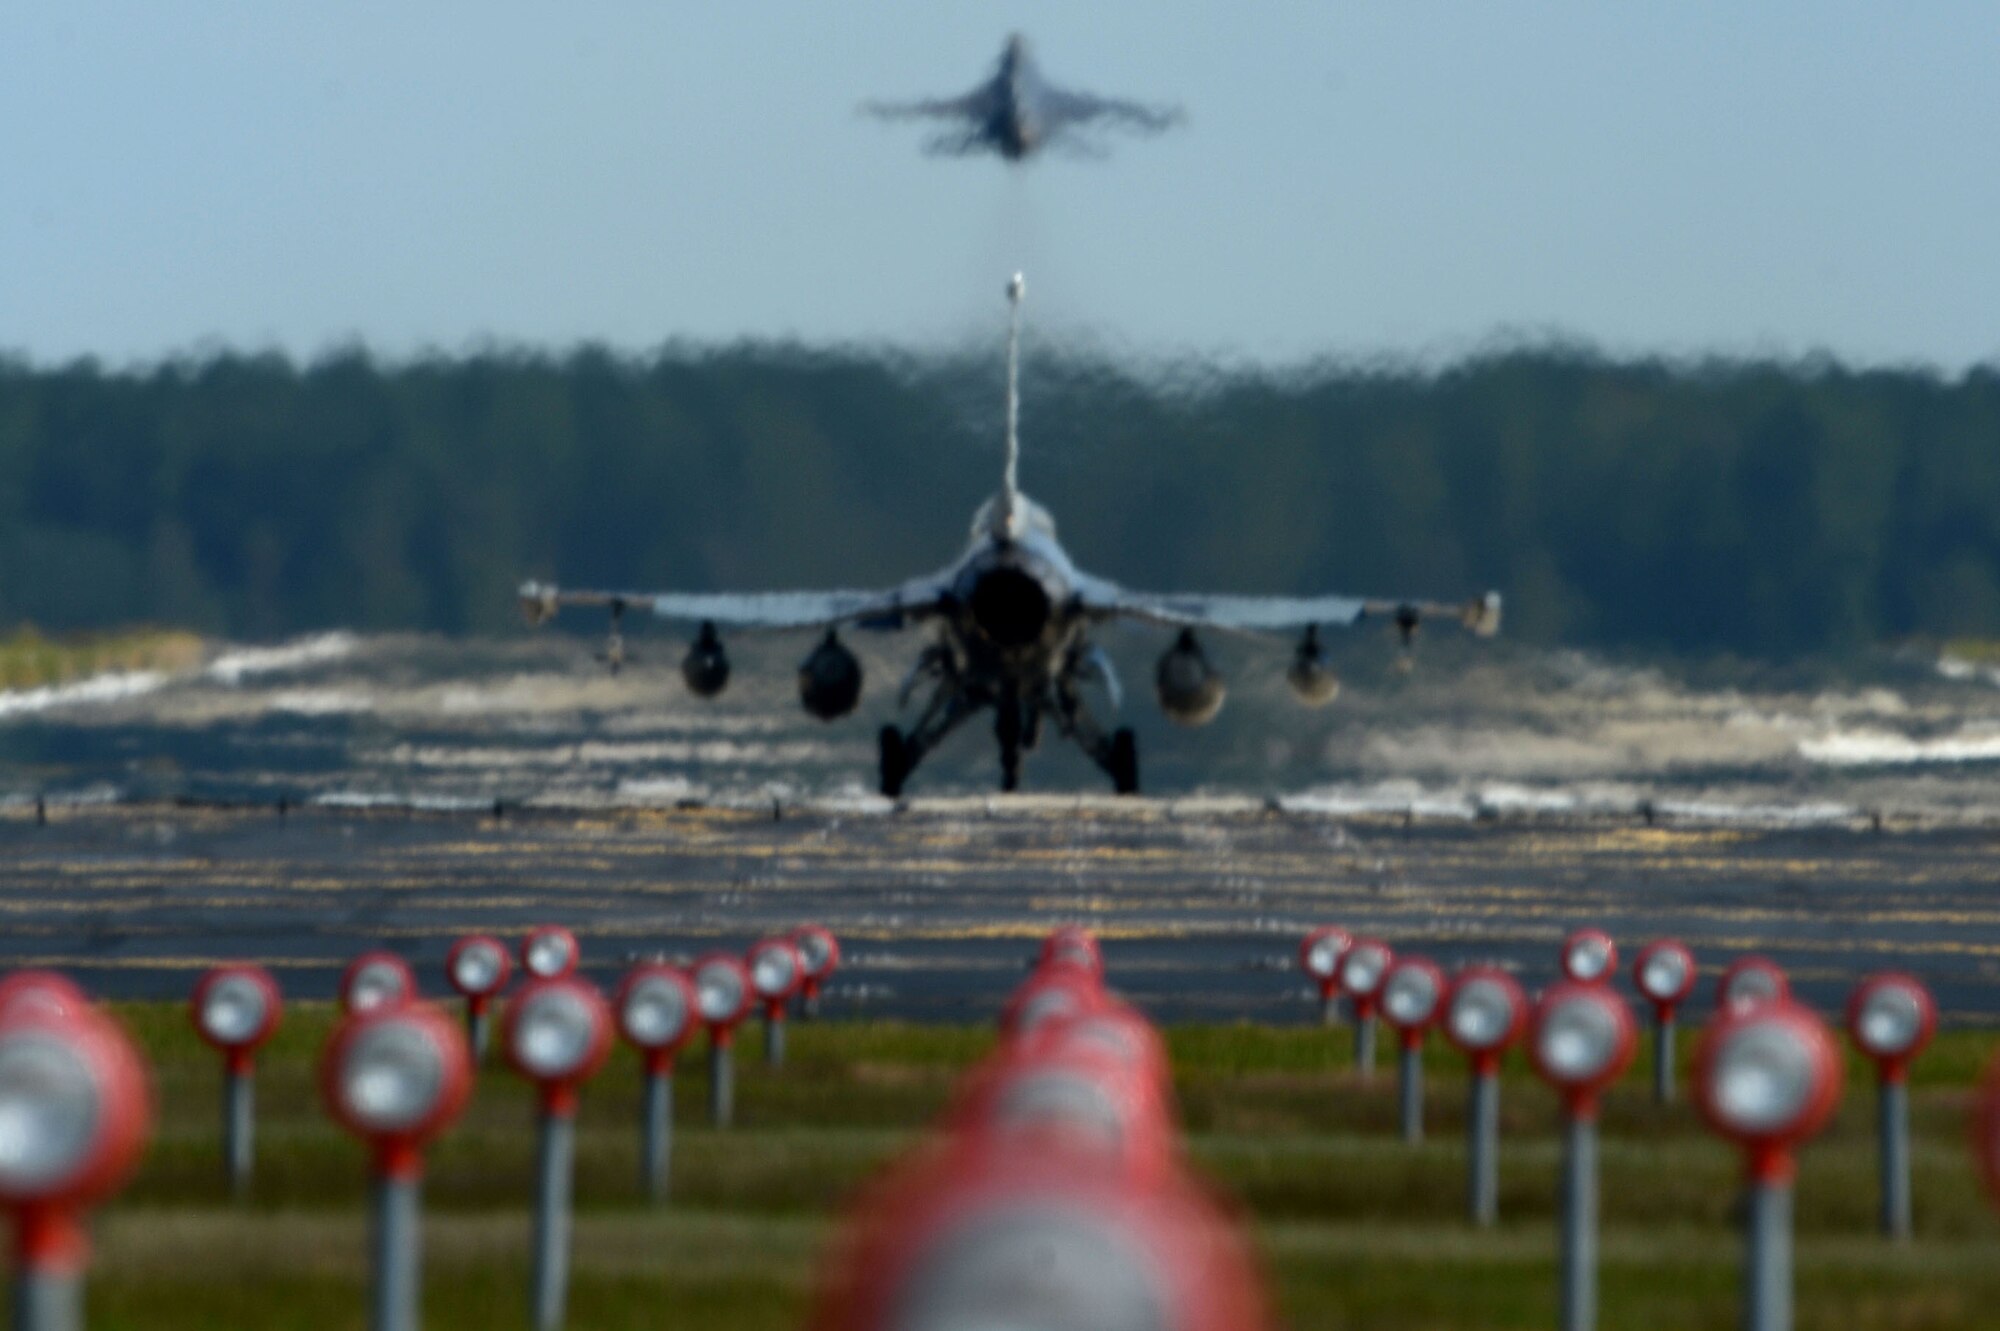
{"x": 1891, "y": 1018}
{"x": 821, "y": 951}
{"x": 557, "y": 1034}
{"x": 396, "y": 1077}
{"x": 722, "y": 998}
{"x": 1362, "y": 969}
{"x": 777, "y": 971}
{"x": 235, "y": 1010}
{"x": 1581, "y": 1042}
{"x": 1665, "y": 974}
{"x": 1767, "y": 1077}
{"x": 478, "y": 968}
{"x": 63, "y": 1067}
{"x": 1484, "y": 1014}
{"x": 656, "y": 1016}
{"x": 1319, "y": 957}
{"x": 1413, "y": 995}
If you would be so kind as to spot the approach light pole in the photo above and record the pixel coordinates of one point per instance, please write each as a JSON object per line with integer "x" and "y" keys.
{"x": 1891, "y": 1018}
{"x": 656, "y": 1015}
{"x": 1485, "y": 1013}
{"x": 722, "y": 999}
{"x": 396, "y": 1076}
{"x": 821, "y": 951}
{"x": 76, "y": 1109}
{"x": 1767, "y": 1076}
{"x": 1581, "y": 1042}
{"x": 776, "y": 973}
{"x": 557, "y": 1032}
{"x": 1362, "y": 968}
{"x": 478, "y": 968}
{"x": 1319, "y": 957}
{"x": 1413, "y": 995}
{"x": 235, "y": 1010}
{"x": 1664, "y": 973}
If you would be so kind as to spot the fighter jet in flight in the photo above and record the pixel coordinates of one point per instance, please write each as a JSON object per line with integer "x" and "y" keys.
{"x": 1017, "y": 112}
{"x": 1011, "y": 625}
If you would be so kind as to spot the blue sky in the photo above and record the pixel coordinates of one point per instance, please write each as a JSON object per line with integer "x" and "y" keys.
{"x": 1355, "y": 179}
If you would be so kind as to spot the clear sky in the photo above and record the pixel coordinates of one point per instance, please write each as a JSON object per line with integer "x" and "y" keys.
{"x": 1354, "y": 179}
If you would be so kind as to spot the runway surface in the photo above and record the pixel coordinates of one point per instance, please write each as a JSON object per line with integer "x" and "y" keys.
{"x": 1200, "y": 902}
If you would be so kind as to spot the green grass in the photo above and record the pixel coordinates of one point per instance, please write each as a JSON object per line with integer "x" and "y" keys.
{"x": 1356, "y": 1229}
{"x": 29, "y": 660}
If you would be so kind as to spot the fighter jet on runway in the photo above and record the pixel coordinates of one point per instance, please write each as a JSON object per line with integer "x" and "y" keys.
{"x": 1012, "y": 621}
{"x": 1017, "y": 112}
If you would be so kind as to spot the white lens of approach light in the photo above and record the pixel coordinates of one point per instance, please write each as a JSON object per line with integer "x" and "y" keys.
{"x": 1481, "y": 1014}
{"x": 1035, "y": 1266}
{"x": 1410, "y": 996}
{"x": 1763, "y": 1079}
{"x": 1588, "y": 957}
{"x": 233, "y": 1009}
{"x": 376, "y": 984}
{"x": 1323, "y": 957}
{"x": 1060, "y": 1099}
{"x": 718, "y": 993}
{"x": 48, "y": 1111}
{"x": 1750, "y": 987}
{"x": 772, "y": 971}
{"x": 655, "y": 1011}
{"x": 814, "y": 950}
{"x": 1046, "y": 1005}
{"x": 553, "y": 1034}
{"x": 477, "y": 968}
{"x": 1664, "y": 973}
{"x": 1576, "y": 1039}
{"x": 1363, "y": 969}
{"x": 1890, "y": 1020}
{"x": 550, "y": 954}
{"x": 1111, "y": 1034}
{"x": 390, "y": 1077}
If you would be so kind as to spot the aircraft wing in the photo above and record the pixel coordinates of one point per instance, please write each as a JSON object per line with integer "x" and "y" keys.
{"x": 975, "y": 105}
{"x": 1079, "y": 107}
{"x": 1278, "y": 614}
{"x": 890, "y": 608}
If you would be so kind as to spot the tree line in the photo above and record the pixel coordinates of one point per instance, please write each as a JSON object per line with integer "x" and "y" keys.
{"x": 1763, "y": 508}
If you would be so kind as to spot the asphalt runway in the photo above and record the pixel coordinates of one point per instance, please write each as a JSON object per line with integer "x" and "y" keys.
{"x": 1200, "y": 902}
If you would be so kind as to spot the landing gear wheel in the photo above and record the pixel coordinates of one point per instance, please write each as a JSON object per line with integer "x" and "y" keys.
{"x": 1124, "y": 762}
{"x": 895, "y": 762}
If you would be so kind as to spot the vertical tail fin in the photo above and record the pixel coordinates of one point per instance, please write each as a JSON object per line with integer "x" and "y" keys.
{"x": 1010, "y": 484}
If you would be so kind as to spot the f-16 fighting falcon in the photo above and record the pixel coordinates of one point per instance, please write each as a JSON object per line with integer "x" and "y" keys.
{"x": 1012, "y": 621}
{"x": 1017, "y": 112}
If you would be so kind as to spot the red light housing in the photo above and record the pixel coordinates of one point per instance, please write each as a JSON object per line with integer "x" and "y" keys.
{"x": 1580, "y": 1041}
{"x": 1589, "y": 956}
{"x": 376, "y": 979}
{"x": 1767, "y": 1077}
{"x": 396, "y": 1077}
{"x": 1891, "y": 1017}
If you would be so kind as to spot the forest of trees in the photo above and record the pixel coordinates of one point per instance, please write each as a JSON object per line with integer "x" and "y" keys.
{"x": 1765, "y": 509}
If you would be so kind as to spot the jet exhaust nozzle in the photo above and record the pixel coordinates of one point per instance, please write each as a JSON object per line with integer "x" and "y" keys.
{"x": 706, "y": 665}
{"x": 1314, "y": 683}
{"x": 830, "y": 679}
{"x": 1190, "y": 690}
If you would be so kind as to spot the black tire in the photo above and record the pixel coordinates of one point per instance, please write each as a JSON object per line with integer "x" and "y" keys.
{"x": 1124, "y": 762}
{"x": 895, "y": 762}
